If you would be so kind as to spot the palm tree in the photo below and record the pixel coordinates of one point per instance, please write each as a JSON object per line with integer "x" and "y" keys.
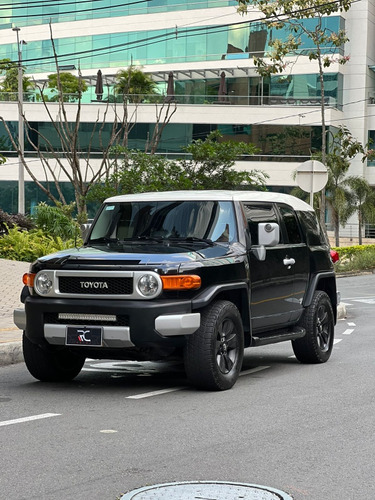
{"x": 133, "y": 84}
{"x": 337, "y": 192}
{"x": 360, "y": 201}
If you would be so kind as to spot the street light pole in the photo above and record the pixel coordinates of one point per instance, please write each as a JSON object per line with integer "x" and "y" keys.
{"x": 21, "y": 175}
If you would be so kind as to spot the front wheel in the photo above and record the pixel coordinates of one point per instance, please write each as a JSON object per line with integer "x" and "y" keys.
{"x": 318, "y": 321}
{"x": 213, "y": 354}
{"x": 51, "y": 365}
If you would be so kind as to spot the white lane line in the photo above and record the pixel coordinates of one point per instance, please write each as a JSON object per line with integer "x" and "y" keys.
{"x": 336, "y": 341}
{"x": 174, "y": 389}
{"x": 254, "y": 370}
{"x": 348, "y": 331}
{"x": 155, "y": 393}
{"x": 28, "y": 419}
{"x": 351, "y": 324}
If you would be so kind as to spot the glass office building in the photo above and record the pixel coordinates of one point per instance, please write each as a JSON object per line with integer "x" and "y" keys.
{"x": 197, "y": 40}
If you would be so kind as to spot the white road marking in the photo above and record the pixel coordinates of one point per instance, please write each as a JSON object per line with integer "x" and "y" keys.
{"x": 365, "y": 301}
{"x": 348, "y": 331}
{"x": 174, "y": 389}
{"x": 28, "y": 419}
{"x": 351, "y": 324}
{"x": 254, "y": 370}
{"x": 336, "y": 341}
{"x": 155, "y": 393}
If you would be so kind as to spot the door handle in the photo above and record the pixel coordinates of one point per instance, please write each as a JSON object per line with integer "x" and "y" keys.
{"x": 289, "y": 262}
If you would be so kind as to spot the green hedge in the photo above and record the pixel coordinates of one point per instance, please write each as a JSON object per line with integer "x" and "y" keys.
{"x": 355, "y": 258}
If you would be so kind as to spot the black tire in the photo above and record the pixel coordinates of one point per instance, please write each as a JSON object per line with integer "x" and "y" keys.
{"x": 49, "y": 365}
{"x": 318, "y": 321}
{"x": 213, "y": 354}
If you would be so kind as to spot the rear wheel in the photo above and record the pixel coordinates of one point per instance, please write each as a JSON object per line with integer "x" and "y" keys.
{"x": 51, "y": 365}
{"x": 214, "y": 353}
{"x": 318, "y": 321}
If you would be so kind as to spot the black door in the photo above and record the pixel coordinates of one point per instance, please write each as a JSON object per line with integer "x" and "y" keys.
{"x": 278, "y": 282}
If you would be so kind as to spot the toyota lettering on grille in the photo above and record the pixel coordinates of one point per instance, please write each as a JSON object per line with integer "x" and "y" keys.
{"x": 93, "y": 284}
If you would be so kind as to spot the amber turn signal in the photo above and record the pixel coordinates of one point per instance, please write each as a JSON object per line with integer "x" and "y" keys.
{"x": 183, "y": 282}
{"x": 28, "y": 279}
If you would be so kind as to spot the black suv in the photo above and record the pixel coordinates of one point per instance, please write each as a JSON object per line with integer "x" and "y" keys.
{"x": 200, "y": 274}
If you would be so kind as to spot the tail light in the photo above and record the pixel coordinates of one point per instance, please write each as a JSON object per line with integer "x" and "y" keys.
{"x": 334, "y": 256}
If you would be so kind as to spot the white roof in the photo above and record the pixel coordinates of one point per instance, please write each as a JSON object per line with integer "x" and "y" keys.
{"x": 203, "y": 195}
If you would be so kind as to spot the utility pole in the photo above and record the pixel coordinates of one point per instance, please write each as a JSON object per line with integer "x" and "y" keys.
{"x": 21, "y": 174}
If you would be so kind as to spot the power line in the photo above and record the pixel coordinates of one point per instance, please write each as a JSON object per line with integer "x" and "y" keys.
{"x": 43, "y": 3}
{"x": 74, "y": 11}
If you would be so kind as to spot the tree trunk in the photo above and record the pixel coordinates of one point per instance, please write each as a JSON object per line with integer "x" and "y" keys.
{"x": 337, "y": 233}
{"x": 360, "y": 223}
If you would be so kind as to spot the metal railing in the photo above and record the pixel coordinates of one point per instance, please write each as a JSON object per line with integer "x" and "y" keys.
{"x": 191, "y": 99}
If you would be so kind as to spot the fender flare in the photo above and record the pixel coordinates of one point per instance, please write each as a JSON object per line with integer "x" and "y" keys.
{"x": 313, "y": 286}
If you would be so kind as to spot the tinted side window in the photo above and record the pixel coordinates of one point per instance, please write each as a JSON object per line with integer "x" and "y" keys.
{"x": 291, "y": 224}
{"x": 314, "y": 233}
{"x": 256, "y": 214}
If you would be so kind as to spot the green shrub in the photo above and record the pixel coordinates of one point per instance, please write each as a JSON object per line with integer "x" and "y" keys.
{"x": 56, "y": 221}
{"x": 355, "y": 258}
{"x": 29, "y": 245}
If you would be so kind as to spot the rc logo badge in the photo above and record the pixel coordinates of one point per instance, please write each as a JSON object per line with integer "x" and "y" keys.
{"x": 82, "y": 336}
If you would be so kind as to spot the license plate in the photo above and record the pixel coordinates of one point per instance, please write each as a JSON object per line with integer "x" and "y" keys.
{"x": 84, "y": 335}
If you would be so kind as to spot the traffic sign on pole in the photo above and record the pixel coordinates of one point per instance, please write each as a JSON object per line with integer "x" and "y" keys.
{"x": 312, "y": 176}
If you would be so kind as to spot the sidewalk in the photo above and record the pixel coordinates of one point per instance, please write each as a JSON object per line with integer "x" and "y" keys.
{"x": 11, "y": 273}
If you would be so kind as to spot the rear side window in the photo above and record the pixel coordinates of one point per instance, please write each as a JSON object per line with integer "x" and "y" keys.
{"x": 314, "y": 233}
{"x": 291, "y": 224}
{"x": 258, "y": 213}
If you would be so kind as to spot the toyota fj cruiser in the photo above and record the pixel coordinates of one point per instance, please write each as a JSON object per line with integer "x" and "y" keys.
{"x": 200, "y": 274}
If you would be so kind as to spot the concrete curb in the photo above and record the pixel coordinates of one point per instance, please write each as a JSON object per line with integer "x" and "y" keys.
{"x": 11, "y": 353}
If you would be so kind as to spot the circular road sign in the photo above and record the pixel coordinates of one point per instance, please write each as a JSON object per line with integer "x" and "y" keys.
{"x": 312, "y": 176}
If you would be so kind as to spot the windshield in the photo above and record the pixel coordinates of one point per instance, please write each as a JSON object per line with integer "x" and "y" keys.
{"x": 179, "y": 220}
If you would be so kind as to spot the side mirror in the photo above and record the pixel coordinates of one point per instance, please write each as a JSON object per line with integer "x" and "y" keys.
{"x": 268, "y": 234}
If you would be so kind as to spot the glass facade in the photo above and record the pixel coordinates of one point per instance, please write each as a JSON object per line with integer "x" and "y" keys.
{"x": 150, "y": 47}
{"x": 371, "y": 141}
{"x": 288, "y": 90}
{"x": 34, "y": 195}
{"x": 276, "y": 142}
{"x": 29, "y": 12}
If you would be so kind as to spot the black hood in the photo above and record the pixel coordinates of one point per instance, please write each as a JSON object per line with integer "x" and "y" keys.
{"x": 154, "y": 254}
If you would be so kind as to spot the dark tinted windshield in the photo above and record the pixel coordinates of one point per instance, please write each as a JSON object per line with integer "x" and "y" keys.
{"x": 212, "y": 220}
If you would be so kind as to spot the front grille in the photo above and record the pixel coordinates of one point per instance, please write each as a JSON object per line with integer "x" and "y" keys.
{"x": 53, "y": 318}
{"x": 95, "y": 285}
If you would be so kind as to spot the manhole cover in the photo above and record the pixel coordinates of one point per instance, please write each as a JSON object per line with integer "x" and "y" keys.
{"x": 206, "y": 490}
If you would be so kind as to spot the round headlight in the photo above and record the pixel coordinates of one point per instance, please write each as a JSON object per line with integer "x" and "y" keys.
{"x": 42, "y": 283}
{"x": 148, "y": 285}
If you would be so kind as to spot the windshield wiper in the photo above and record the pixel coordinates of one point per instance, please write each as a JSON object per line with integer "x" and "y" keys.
{"x": 103, "y": 239}
{"x": 144, "y": 239}
{"x": 192, "y": 239}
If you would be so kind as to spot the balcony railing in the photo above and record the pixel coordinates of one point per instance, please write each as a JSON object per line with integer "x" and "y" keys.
{"x": 194, "y": 99}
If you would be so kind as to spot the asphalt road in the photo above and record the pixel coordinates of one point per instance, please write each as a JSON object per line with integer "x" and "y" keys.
{"x": 306, "y": 430}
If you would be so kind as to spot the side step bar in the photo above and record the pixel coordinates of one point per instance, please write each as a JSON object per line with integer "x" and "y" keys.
{"x": 282, "y": 335}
